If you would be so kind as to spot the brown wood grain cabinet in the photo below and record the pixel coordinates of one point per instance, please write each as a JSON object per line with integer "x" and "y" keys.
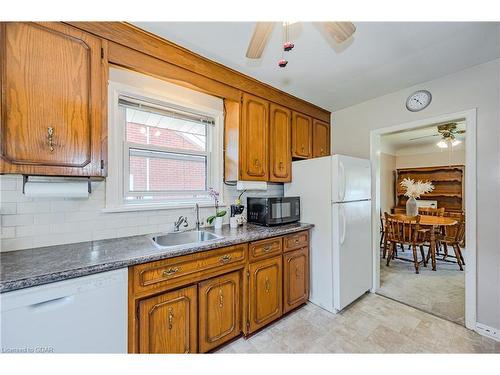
{"x": 53, "y": 100}
{"x": 321, "y": 138}
{"x": 295, "y": 278}
{"x": 280, "y": 144}
{"x": 254, "y": 149}
{"x": 219, "y": 302}
{"x": 265, "y": 292}
{"x": 168, "y": 322}
{"x": 301, "y": 136}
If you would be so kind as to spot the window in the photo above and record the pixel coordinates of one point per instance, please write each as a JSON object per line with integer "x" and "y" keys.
{"x": 170, "y": 152}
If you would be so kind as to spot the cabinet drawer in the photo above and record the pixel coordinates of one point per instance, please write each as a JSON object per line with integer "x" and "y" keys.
{"x": 186, "y": 268}
{"x": 296, "y": 240}
{"x": 263, "y": 249}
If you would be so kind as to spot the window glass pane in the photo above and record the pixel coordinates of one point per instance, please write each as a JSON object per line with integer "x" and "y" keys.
{"x": 156, "y": 171}
{"x": 145, "y": 127}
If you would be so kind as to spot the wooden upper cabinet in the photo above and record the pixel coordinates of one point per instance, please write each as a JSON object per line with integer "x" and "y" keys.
{"x": 219, "y": 300}
{"x": 53, "y": 108}
{"x": 254, "y": 137}
{"x": 321, "y": 138}
{"x": 265, "y": 292}
{"x": 167, "y": 322}
{"x": 280, "y": 144}
{"x": 301, "y": 136}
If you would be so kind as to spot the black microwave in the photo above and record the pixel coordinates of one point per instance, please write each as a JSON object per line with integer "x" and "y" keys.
{"x": 273, "y": 210}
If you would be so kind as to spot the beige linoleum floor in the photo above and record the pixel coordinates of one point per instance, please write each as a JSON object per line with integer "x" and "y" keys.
{"x": 373, "y": 324}
{"x": 440, "y": 292}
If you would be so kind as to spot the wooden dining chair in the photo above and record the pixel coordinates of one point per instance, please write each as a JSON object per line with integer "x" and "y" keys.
{"x": 405, "y": 230}
{"x": 454, "y": 236}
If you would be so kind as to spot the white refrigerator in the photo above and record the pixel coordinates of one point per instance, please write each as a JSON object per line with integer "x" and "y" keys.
{"x": 335, "y": 196}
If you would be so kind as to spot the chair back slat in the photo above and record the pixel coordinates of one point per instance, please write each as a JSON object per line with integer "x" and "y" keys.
{"x": 429, "y": 211}
{"x": 402, "y": 229}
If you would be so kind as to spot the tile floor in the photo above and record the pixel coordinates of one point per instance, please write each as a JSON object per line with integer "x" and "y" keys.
{"x": 440, "y": 292}
{"x": 373, "y": 324}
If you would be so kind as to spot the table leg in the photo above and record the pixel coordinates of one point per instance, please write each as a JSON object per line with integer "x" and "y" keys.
{"x": 433, "y": 248}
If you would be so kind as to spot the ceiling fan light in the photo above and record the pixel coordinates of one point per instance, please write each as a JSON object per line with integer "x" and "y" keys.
{"x": 455, "y": 142}
{"x": 442, "y": 144}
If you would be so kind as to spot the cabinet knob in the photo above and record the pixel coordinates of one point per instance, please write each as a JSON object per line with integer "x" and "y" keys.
{"x": 256, "y": 162}
{"x": 221, "y": 299}
{"x": 50, "y": 138}
{"x": 267, "y": 285}
{"x": 170, "y": 318}
{"x": 225, "y": 258}
{"x": 281, "y": 165}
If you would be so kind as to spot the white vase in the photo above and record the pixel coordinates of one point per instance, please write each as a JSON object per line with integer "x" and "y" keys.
{"x": 411, "y": 207}
{"x": 218, "y": 222}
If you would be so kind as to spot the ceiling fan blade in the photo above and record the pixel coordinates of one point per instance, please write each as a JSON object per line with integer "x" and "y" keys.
{"x": 260, "y": 36}
{"x": 340, "y": 31}
{"x": 425, "y": 136}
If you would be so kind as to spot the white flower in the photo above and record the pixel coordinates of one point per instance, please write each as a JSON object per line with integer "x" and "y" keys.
{"x": 416, "y": 189}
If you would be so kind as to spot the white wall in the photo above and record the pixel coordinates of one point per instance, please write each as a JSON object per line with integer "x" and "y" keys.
{"x": 29, "y": 222}
{"x": 387, "y": 181}
{"x": 476, "y": 87}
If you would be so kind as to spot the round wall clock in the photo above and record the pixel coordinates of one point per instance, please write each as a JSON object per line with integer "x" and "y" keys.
{"x": 418, "y": 100}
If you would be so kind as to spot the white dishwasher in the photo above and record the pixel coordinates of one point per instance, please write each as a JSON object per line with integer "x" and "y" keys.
{"x": 82, "y": 315}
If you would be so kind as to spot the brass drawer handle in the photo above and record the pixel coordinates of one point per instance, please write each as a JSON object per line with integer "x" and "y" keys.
{"x": 268, "y": 248}
{"x": 225, "y": 258}
{"x": 50, "y": 138}
{"x": 297, "y": 240}
{"x": 256, "y": 162}
{"x": 281, "y": 165}
{"x": 171, "y": 271}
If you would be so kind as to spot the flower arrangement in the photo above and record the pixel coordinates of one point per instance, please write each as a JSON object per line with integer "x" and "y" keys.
{"x": 214, "y": 194}
{"x": 416, "y": 189}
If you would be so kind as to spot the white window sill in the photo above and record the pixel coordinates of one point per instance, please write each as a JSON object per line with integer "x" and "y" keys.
{"x": 157, "y": 206}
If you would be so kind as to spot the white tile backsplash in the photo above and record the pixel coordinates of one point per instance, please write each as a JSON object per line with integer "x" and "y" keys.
{"x": 31, "y": 222}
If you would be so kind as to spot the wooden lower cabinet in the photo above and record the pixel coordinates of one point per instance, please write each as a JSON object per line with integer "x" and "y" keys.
{"x": 219, "y": 310}
{"x": 167, "y": 322}
{"x": 295, "y": 278}
{"x": 265, "y": 292}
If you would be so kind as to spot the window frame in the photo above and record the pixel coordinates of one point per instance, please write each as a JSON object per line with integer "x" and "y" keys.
{"x": 154, "y": 91}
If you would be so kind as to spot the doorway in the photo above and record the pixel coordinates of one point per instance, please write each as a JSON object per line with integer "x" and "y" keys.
{"x": 396, "y": 152}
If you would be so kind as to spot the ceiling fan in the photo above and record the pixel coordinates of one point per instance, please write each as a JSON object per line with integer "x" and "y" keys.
{"x": 339, "y": 31}
{"x": 447, "y": 132}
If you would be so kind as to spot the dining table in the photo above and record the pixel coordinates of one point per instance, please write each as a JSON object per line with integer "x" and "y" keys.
{"x": 434, "y": 223}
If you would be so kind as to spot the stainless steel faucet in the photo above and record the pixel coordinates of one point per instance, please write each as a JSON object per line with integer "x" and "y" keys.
{"x": 197, "y": 209}
{"x": 179, "y": 222}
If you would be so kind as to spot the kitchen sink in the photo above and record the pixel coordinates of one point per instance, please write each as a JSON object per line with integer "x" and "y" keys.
{"x": 184, "y": 238}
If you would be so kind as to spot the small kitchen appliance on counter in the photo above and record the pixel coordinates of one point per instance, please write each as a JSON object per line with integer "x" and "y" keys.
{"x": 270, "y": 211}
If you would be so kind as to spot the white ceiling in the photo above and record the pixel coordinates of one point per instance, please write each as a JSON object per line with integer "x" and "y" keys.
{"x": 382, "y": 57}
{"x": 400, "y": 143}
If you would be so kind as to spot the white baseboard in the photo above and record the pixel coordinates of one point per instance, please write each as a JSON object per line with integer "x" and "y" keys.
{"x": 490, "y": 332}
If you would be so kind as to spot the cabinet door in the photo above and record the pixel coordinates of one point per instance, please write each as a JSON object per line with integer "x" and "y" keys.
{"x": 296, "y": 278}
{"x": 52, "y": 85}
{"x": 219, "y": 316}
{"x": 280, "y": 145}
{"x": 301, "y": 136}
{"x": 265, "y": 292}
{"x": 321, "y": 138}
{"x": 254, "y": 139}
{"x": 167, "y": 322}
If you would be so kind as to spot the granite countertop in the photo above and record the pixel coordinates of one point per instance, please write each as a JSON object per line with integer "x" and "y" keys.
{"x": 31, "y": 267}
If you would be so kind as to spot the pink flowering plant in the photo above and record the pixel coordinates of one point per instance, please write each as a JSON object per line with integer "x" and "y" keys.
{"x": 214, "y": 194}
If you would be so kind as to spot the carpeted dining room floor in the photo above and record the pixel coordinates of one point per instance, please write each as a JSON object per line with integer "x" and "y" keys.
{"x": 440, "y": 292}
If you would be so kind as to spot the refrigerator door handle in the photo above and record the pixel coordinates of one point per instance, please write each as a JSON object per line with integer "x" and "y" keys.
{"x": 342, "y": 181}
{"x": 343, "y": 223}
